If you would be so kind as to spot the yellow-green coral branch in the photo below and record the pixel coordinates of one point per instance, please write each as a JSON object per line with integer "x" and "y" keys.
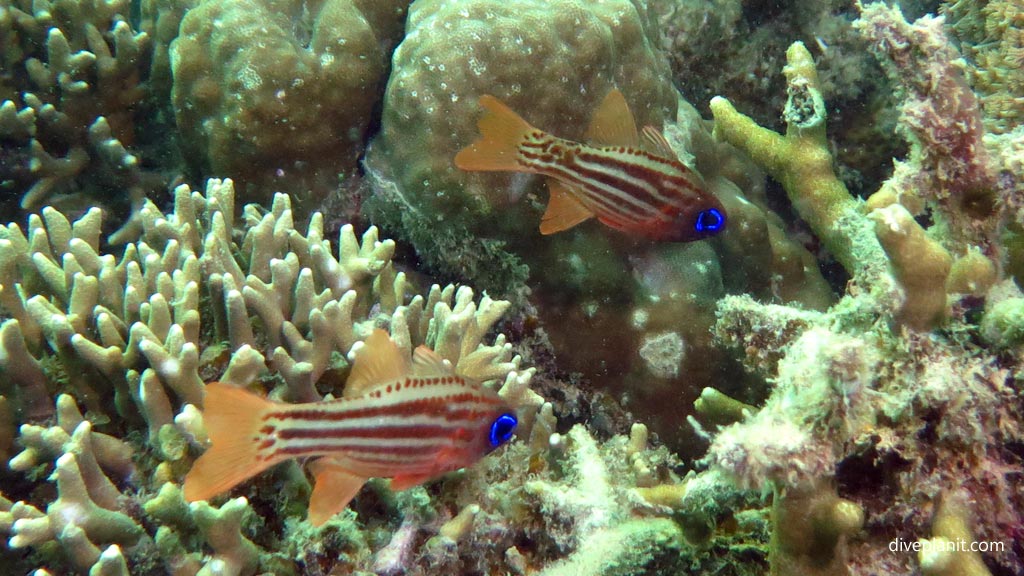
{"x": 801, "y": 162}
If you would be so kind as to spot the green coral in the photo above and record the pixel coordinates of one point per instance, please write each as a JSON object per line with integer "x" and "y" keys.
{"x": 280, "y": 94}
{"x": 77, "y": 107}
{"x": 801, "y": 161}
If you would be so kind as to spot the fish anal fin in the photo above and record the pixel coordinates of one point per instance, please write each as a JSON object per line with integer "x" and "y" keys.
{"x": 563, "y": 211}
{"x": 334, "y": 487}
{"x": 377, "y": 362}
{"x": 406, "y": 481}
{"x": 232, "y": 417}
{"x": 612, "y": 123}
{"x": 501, "y": 133}
{"x": 658, "y": 143}
{"x": 427, "y": 364}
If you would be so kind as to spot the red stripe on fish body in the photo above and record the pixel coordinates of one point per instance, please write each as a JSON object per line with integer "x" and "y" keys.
{"x": 410, "y": 420}
{"x": 414, "y": 426}
{"x": 651, "y": 195}
{"x": 626, "y": 188}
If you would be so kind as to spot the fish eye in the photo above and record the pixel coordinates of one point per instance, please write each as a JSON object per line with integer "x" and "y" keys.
{"x": 502, "y": 429}
{"x": 709, "y": 221}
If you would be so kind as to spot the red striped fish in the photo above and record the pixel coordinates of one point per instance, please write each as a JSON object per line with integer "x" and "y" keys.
{"x": 645, "y": 193}
{"x": 408, "y": 421}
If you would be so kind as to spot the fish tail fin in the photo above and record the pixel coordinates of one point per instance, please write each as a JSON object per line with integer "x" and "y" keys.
{"x": 501, "y": 133}
{"x": 232, "y": 417}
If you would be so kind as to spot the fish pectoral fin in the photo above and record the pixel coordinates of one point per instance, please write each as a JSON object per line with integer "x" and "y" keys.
{"x": 612, "y": 123}
{"x": 428, "y": 364}
{"x": 563, "y": 211}
{"x": 334, "y": 488}
{"x": 658, "y": 143}
{"x": 612, "y": 223}
{"x": 406, "y": 481}
{"x": 378, "y": 361}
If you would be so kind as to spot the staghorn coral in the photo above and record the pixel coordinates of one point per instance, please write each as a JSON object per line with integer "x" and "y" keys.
{"x": 735, "y": 47}
{"x": 75, "y": 107}
{"x": 133, "y": 339}
{"x": 279, "y": 94}
{"x": 801, "y": 162}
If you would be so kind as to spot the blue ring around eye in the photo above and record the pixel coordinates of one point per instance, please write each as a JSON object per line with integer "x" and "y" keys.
{"x": 710, "y": 220}
{"x": 502, "y": 429}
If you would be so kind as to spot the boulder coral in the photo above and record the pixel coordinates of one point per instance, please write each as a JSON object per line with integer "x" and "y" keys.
{"x": 280, "y": 94}
{"x": 453, "y": 53}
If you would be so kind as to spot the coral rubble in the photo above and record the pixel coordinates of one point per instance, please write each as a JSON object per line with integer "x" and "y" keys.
{"x": 869, "y": 381}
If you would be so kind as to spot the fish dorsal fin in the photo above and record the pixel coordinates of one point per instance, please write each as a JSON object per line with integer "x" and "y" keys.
{"x": 658, "y": 143}
{"x": 612, "y": 123}
{"x": 564, "y": 211}
{"x": 427, "y": 364}
{"x": 379, "y": 361}
{"x": 334, "y": 487}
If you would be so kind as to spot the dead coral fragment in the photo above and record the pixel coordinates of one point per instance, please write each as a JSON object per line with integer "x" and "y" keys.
{"x": 950, "y": 165}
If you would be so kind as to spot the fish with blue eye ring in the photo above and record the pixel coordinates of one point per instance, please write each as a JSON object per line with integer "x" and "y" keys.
{"x": 410, "y": 420}
{"x": 643, "y": 191}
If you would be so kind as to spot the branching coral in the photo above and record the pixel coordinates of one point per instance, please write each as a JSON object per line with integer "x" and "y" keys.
{"x": 993, "y": 41}
{"x": 74, "y": 103}
{"x": 801, "y": 161}
{"x": 133, "y": 338}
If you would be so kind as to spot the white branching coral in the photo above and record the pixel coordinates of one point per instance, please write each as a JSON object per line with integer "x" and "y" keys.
{"x": 133, "y": 337}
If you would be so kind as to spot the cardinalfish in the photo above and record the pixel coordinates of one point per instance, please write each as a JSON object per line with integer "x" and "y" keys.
{"x": 410, "y": 421}
{"x": 650, "y": 194}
